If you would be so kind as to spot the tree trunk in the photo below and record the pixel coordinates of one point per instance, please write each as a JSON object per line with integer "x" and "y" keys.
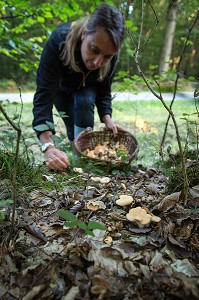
{"x": 169, "y": 36}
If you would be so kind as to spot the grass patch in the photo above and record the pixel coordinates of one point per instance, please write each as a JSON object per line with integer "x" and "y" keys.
{"x": 144, "y": 119}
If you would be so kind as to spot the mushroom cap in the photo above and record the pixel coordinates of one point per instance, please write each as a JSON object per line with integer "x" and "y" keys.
{"x": 78, "y": 170}
{"x": 155, "y": 219}
{"x": 105, "y": 180}
{"x": 95, "y": 179}
{"x": 100, "y": 149}
{"x": 136, "y": 210}
{"x": 143, "y": 218}
{"x": 138, "y": 214}
{"x": 91, "y": 154}
{"x": 124, "y": 200}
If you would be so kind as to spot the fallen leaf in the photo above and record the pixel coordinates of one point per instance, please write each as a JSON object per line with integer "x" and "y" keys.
{"x": 184, "y": 266}
{"x": 95, "y": 205}
{"x": 169, "y": 201}
{"x": 34, "y": 230}
{"x": 34, "y": 292}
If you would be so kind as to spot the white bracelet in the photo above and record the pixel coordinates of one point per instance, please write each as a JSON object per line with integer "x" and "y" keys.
{"x": 45, "y": 146}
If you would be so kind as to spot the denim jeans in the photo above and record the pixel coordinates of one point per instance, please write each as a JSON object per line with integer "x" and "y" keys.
{"x": 78, "y": 108}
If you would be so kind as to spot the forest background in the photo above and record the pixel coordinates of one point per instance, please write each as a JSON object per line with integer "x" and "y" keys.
{"x": 156, "y": 35}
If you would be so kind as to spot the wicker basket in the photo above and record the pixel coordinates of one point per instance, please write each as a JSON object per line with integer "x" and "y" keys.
{"x": 88, "y": 139}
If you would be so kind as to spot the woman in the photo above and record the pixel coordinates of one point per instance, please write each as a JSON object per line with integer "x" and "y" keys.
{"x": 75, "y": 74}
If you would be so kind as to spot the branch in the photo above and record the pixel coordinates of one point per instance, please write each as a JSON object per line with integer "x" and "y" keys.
{"x": 184, "y": 192}
{"x": 14, "y": 176}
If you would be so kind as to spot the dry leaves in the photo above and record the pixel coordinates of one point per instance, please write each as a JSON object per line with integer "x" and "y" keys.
{"x": 124, "y": 262}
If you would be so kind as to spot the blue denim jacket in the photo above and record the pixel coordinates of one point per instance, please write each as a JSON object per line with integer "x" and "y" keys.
{"x": 53, "y": 75}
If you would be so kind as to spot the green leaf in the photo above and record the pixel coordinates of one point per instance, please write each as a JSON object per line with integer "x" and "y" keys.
{"x": 56, "y": 139}
{"x": 63, "y": 114}
{"x": 41, "y": 127}
{"x": 50, "y": 125}
{"x": 40, "y": 19}
{"x": 96, "y": 225}
{"x": 89, "y": 232}
{"x": 66, "y": 215}
{"x": 2, "y": 217}
{"x": 70, "y": 224}
{"x": 82, "y": 225}
{"x": 4, "y": 202}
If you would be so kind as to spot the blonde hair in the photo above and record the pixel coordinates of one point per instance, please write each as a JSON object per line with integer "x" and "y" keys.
{"x": 104, "y": 16}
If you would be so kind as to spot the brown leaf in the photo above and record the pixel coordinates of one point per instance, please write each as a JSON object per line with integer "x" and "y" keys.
{"x": 35, "y": 231}
{"x": 178, "y": 248}
{"x": 169, "y": 201}
{"x": 195, "y": 242}
{"x": 34, "y": 292}
{"x": 78, "y": 206}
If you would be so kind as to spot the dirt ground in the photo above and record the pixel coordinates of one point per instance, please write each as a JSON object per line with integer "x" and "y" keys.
{"x": 47, "y": 260}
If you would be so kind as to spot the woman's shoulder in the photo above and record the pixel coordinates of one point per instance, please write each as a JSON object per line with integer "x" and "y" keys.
{"x": 61, "y": 32}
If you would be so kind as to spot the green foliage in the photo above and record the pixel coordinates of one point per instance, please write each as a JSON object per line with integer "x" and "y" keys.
{"x": 24, "y": 28}
{"x": 73, "y": 222}
{"x": 27, "y": 175}
{"x": 47, "y": 126}
{"x": 173, "y": 170}
{"x": 4, "y": 203}
{"x": 124, "y": 82}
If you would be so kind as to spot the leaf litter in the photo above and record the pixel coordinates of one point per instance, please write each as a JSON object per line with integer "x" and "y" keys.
{"x": 46, "y": 260}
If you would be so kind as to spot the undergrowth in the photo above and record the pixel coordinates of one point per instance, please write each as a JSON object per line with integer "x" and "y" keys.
{"x": 171, "y": 168}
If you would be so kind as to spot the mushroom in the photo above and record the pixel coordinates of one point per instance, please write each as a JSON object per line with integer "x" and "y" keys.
{"x": 155, "y": 219}
{"x": 124, "y": 200}
{"x": 95, "y": 179}
{"x": 141, "y": 217}
{"x": 112, "y": 154}
{"x": 78, "y": 170}
{"x": 91, "y": 154}
{"x": 105, "y": 180}
{"x": 100, "y": 150}
{"x": 108, "y": 240}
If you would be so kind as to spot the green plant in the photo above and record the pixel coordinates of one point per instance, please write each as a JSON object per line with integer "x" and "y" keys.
{"x": 3, "y": 203}
{"x": 73, "y": 222}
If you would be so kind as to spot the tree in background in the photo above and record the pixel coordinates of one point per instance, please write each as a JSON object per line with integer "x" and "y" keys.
{"x": 26, "y": 25}
{"x": 171, "y": 20}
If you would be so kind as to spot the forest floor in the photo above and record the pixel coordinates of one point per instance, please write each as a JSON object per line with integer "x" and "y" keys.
{"x": 47, "y": 260}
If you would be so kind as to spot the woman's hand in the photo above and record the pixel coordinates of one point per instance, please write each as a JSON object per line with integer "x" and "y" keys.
{"x": 111, "y": 125}
{"x": 56, "y": 160}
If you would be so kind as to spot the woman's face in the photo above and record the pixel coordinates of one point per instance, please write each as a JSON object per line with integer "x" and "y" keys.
{"x": 97, "y": 49}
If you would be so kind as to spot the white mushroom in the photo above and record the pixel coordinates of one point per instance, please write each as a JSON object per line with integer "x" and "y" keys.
{"x": 141, "y": 217}
{"x": 124, "y": 200}
{"x": 155, "y": 219}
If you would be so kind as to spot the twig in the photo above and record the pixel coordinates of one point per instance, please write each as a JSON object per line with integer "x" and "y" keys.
{"x": 14, "y": 188}
{"x": 171, "y": 114}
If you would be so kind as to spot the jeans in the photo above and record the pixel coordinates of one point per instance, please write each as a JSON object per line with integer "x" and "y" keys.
{"x": 78, "y": 108}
